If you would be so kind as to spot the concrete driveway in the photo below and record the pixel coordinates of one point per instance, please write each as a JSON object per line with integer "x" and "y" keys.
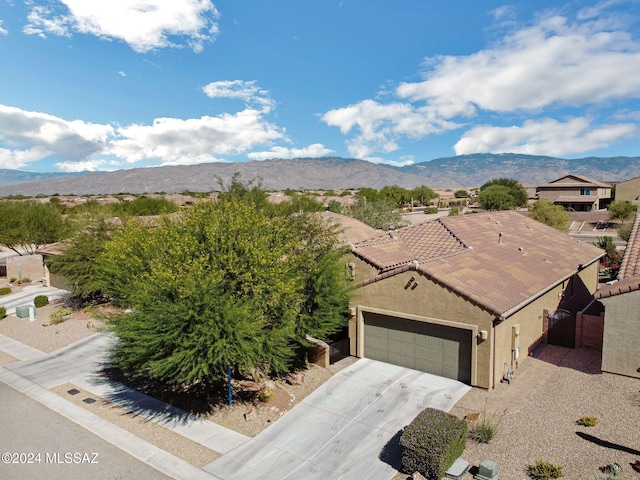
{"x": 348, "y": 429}
{"x": 26, "y": 295}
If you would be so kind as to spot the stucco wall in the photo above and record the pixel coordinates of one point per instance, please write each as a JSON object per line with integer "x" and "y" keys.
{"x": 621, "y": 337}
{"x": 427, "y": 300}
{"x": 25, "y": 266}
{"x": 629, "y": 190}
{"x": 430, "y": 300}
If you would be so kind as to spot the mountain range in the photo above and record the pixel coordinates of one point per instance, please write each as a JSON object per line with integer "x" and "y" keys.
{"x": 465, "y": 171}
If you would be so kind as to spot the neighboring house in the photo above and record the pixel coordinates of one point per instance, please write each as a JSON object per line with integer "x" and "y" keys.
{"x": 621, "y": 304}
{"x": 465, "y": 297}
{"x": 629, "y": 191}
{"x": 575, "y": 192}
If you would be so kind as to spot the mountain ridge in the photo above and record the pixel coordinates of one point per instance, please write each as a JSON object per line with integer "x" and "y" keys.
{"x": 322, "y": 173}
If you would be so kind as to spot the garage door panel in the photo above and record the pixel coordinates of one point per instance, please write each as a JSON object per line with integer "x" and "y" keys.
{"x": 436, "y": 349}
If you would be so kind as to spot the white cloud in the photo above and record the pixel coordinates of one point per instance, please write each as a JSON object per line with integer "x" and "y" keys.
{"x": 35, "y": 133}
{"x": 544, "y": 137}
{"x": 195, "y": 140}
{"x": 3, "y": 31}
{"x": 27, "y": 137}
{"x": 17, "y": 159}
{"x": 247, "y": 91}
{"x": 555, "y": 67}
{"x": 380, "y": 125}
{"x": 145, "y": 24}
{"x": 86, "y": 166}
{"x": 551, "y": 63}
{"x": 311, "y": 151}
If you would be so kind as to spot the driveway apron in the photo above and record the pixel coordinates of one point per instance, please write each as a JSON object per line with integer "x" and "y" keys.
{"x": 347, "y": 429}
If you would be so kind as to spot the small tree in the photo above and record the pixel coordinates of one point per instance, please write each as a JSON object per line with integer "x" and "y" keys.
{"x": 377, "y": 214}
{"x": 25, "y": 226}
{"x": 461, "y": 194}
{"x": 621, "y": 210}
{"x": 553, "y": 215}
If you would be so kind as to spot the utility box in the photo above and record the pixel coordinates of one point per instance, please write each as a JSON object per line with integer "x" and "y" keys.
{"x": 26, "y": 311}
{"x": 515, "y": 337}
{"x": 488, "y": 470}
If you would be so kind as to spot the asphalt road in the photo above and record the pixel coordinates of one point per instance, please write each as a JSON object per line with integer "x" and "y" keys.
{"x": 36, "y": 442}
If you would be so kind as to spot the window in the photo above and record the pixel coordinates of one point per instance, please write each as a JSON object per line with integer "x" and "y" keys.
{"x": 585, "y": 191}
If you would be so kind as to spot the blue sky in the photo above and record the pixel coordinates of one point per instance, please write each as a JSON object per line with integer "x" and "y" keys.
{"x": 114, "y": 84}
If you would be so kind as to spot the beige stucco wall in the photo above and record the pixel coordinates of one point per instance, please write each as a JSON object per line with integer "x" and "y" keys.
{"x": 621, "y": 337}
{"x": 25, "y": 266}
{"x": 629, "y": 190}
{"x": 429, "y": 300}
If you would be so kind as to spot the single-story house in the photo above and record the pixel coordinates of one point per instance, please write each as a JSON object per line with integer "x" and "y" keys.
{"x": 621, "y": 304}
{"x": 576, "y": 192}
{"x": 467, "y": 296}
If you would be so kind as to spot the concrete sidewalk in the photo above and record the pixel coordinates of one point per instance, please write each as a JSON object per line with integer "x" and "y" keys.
{"x": 79, "y": 363}
{"x": 26, "y": 295}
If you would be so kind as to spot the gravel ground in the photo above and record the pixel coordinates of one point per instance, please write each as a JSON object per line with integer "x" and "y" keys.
{"x": 545, "y": 427}
{"x": 45, "y": 337}
{"x": 252, "y": 417}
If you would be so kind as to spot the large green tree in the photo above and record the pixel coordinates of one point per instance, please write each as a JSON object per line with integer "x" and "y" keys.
{"x": 546, "y": 212}
{"x": 228, "y": 284}
{"x": 25, "y": 226}
{"x": 511, "y": 196}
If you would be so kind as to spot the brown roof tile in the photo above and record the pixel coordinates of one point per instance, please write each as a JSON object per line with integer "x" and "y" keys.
{"x": 498, "y": 260}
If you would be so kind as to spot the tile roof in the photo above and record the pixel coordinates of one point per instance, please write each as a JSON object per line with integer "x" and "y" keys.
{"x": 499, "y": 260}
{"x": 582, "y": 182}
{"x": 629, "y": 274}
{"x": 351, "y": 230}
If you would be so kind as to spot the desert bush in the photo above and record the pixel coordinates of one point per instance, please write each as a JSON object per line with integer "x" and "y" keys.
{"x": 613, "y": 471}
{"x": 483, "y": 431}
{"x": 41, "y": 301}
{"x": 432, "y": 442}
{"x": 587, "y": 421}
{"x": 59, "y": 315}
{"x": 431, "y": 210}
{"x": 543, "y": 469}
{"x": 5, "y": 290}
{"x": 26, "y": 279}
{"x": 3, "y": 312}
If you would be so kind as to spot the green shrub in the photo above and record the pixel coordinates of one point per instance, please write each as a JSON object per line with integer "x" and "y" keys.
{"x": 3, "y": 312}
{"x": 483, "y": 431}
{"x": 587, "y": 421}
{"x": 26, "y": 279}
{"x": 432, "y": 442}
{"x": 544, "y": 469}
{"x": 431, "y": 210}
{"x": 5, "y": 290}
{"x": 41, "y": 301}
{"x": 58, "y": 316}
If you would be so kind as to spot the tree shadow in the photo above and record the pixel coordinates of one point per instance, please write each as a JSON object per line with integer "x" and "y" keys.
{"x": 607, "y": 444}
{"x": 154, "y": 400}
{"x": 391, "y": 453}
